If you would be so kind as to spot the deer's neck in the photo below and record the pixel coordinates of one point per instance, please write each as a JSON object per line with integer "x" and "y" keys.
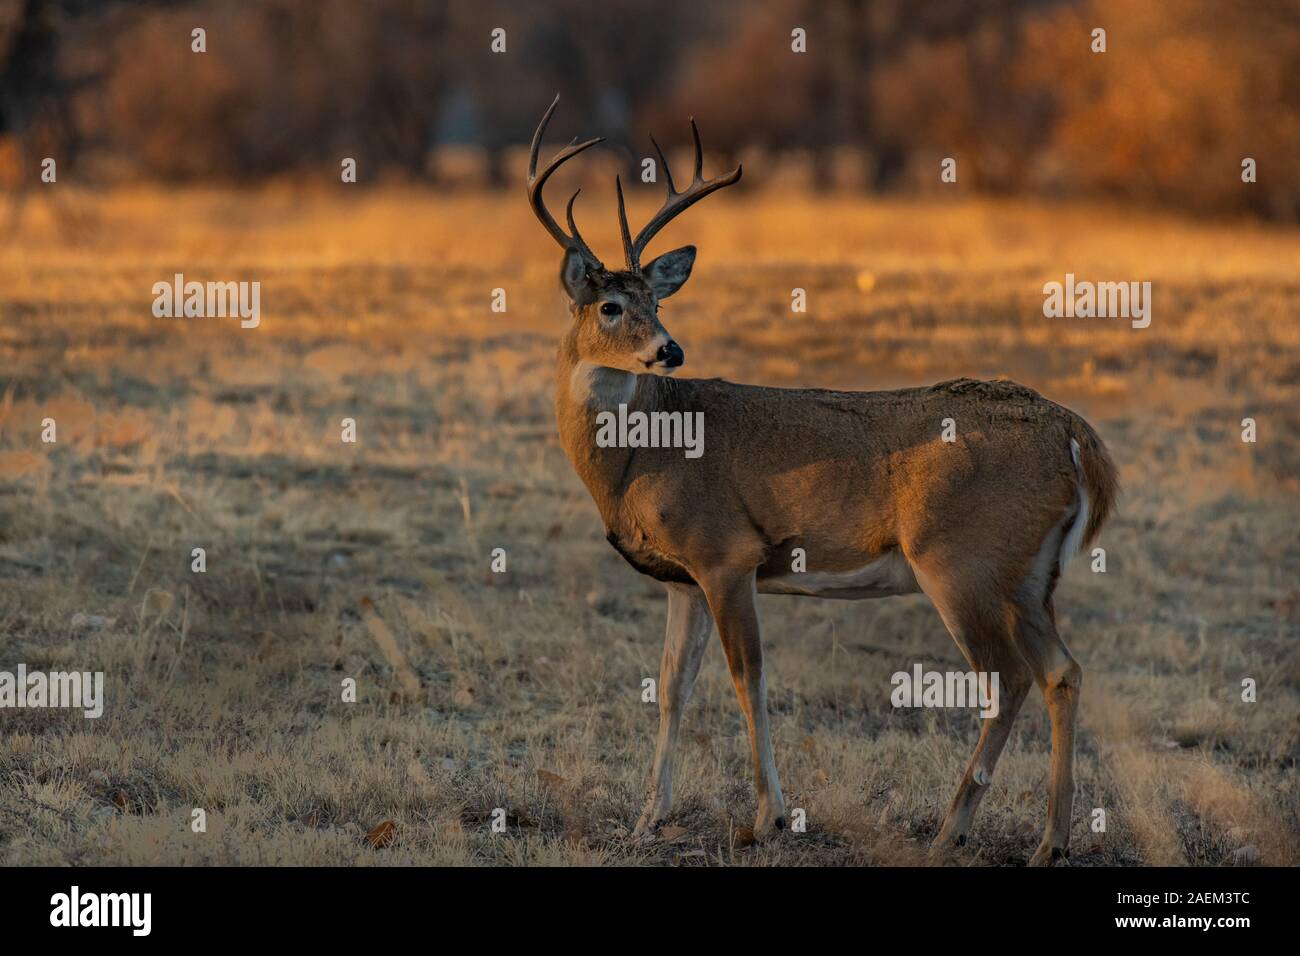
{"x": 582, "y": 391}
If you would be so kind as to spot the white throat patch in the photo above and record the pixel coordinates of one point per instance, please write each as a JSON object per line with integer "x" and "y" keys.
{"x": 599, "y": 386}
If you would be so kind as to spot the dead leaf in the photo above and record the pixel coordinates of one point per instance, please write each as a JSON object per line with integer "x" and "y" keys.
{"x": 382, "y": 835}
{"x": 669, "y": 834}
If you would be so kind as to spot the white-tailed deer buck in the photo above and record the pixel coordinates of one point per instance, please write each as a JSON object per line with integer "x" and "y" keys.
{"x": 861, "y": 481}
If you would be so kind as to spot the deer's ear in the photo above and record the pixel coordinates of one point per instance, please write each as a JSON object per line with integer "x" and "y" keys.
{"x": 573, "y": 274}
{"x": 669, "y": 272}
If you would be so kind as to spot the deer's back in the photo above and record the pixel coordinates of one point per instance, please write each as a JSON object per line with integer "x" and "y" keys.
{"x": 851, "y": 476}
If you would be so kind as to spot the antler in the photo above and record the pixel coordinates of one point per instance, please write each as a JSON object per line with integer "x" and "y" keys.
{"x": 536, "y": 182}
{"x": 674, "y": 204}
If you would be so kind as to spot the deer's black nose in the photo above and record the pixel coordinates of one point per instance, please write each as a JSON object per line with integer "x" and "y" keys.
{"x": 670, "y": 354}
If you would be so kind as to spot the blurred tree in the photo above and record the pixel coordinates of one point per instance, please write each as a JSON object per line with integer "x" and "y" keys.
{"x": 36, "y": 95}
{"x": 1185, "y": 91}
{"x": 283, "y": 84}
{"x": 607, "y": 60}
{"x": 34, "y": 92}
{"x": 885, "y": 77}
{"x": 944, "y": 85}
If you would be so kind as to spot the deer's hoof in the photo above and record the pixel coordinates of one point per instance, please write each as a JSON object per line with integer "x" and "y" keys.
{"x": 767, "y": 824}
{"x": 1048, "y": 855}
{"x": 944, "y": 847}
{"x": 948, "y": 839}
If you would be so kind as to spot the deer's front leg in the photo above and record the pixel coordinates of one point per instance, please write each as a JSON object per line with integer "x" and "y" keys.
{"x": 685, "y": 639}
{"x": 734, "y": 601}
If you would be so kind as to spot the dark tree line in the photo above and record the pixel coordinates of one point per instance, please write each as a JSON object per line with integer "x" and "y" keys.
{"x": 1012, "y": 88}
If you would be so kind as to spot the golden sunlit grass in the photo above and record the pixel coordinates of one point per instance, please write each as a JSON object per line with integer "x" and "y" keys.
{"x": 522, "y": 691}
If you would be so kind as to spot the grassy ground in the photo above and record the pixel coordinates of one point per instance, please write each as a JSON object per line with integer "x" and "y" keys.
{"x": 522, "y": 690}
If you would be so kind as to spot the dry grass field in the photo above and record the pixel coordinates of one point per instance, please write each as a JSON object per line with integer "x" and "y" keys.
{"x": 522, "y": 690}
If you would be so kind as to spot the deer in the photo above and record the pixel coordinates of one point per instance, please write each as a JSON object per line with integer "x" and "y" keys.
{"x": 861, "y": 481}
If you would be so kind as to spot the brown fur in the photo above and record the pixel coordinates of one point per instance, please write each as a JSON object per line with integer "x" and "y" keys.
{"x": 861, "y": 482}
{"x": 851, "y": 478}
{"x": 844, "y": 475}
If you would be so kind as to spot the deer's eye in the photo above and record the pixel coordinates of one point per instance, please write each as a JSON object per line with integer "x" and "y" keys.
{"x": 610, "y": 309}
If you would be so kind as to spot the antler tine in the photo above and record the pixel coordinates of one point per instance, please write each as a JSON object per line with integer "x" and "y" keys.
{"x": 699, "y": 152}
{"x": 629, "y": 252}
{"x": 663, "y": 164}
{"x": 676, "y": 202}
{"x": 568, "y": 212}
{"x": 538, "y": 180}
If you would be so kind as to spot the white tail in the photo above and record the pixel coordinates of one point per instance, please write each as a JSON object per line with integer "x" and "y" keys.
{"x": 1074, "y": 537}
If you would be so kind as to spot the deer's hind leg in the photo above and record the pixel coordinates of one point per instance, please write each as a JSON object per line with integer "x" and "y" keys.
{"x": 1060, "y": 678}
{"x": 980, "y": 629}
{"x": 1013, "y": 683}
